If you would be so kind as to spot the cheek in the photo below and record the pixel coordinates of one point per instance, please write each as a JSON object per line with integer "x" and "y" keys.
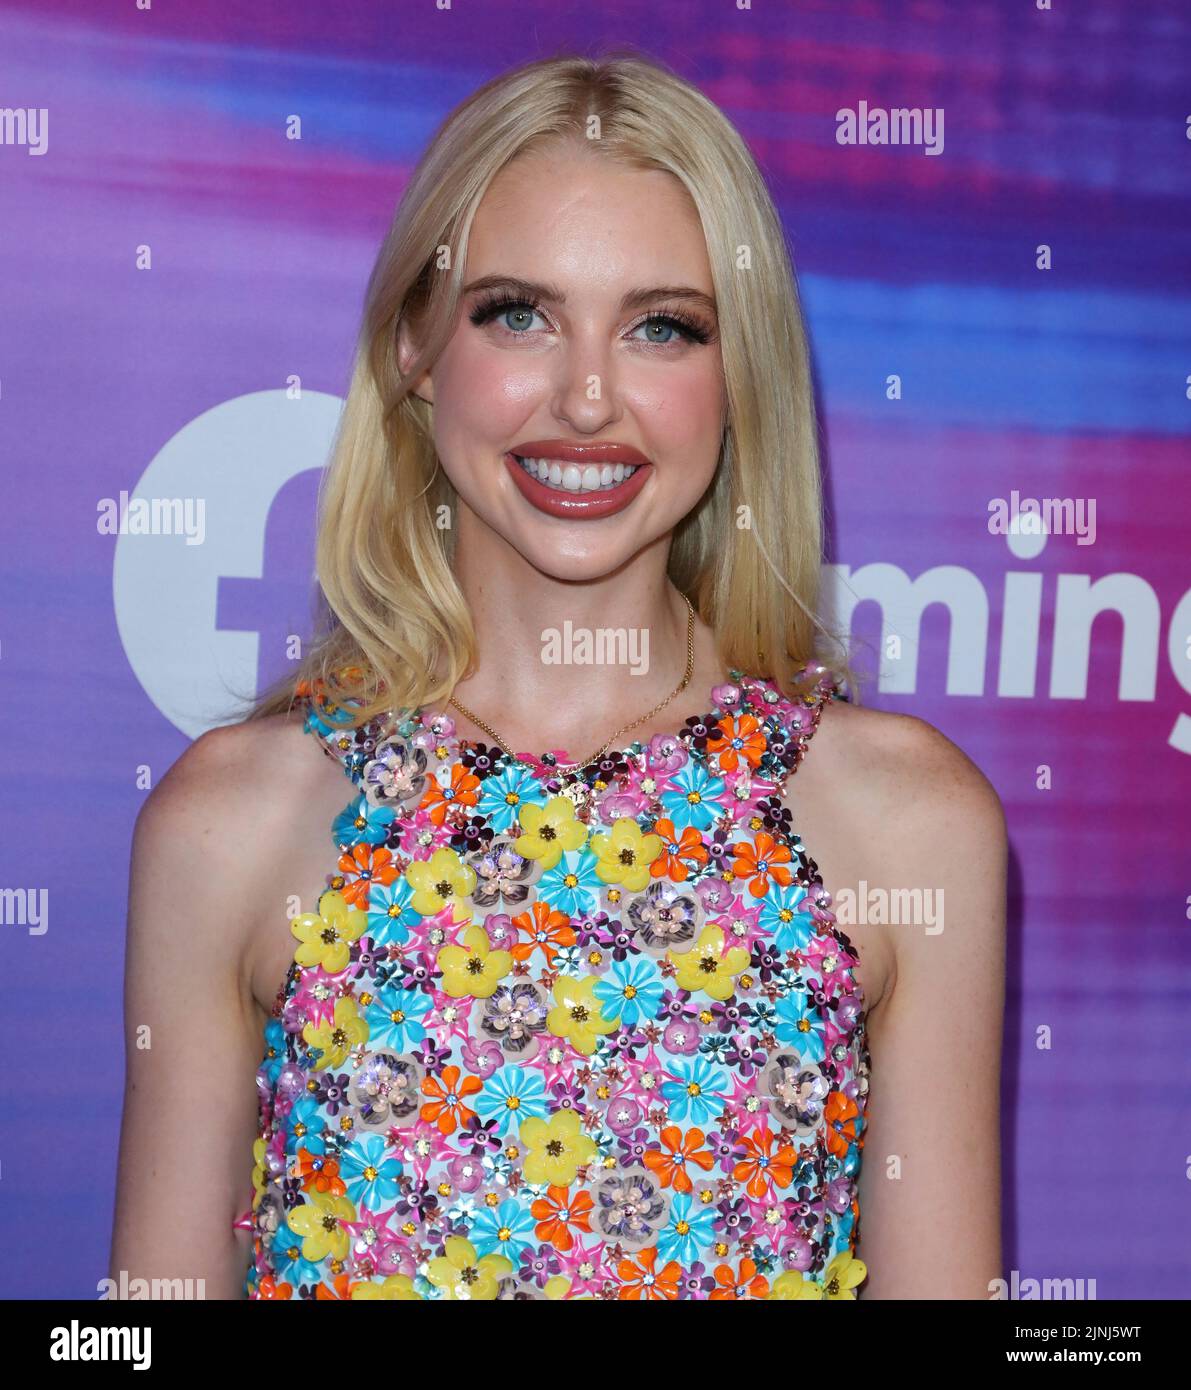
{"x": 483, "y": 398}
{"x": 682, "y": 416}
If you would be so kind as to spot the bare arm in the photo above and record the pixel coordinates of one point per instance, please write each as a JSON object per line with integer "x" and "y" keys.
{"x": 191, "y": 1035}
{"x": 930, "y": 1180}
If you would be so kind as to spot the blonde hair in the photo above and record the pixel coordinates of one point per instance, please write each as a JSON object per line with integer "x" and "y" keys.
{"x": 748, "y": 556}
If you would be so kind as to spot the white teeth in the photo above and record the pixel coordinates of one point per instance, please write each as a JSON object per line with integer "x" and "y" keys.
{"x": 570, "y": 477}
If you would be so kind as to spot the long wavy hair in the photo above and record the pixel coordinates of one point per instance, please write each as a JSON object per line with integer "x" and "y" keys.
{"x": 748, "y": 556}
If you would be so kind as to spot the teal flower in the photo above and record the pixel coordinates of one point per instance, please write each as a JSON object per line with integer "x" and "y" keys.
{"x": 371, "y": 1178}
{"x": 395, "y": 1016}
{"x": 572, "y": 886}
{"x": 389, "y": 914}
{"x": 503, "y": 795}
{"x": 362, "y": 823}
{"x": 511, "y": 1095}
{"x": 786, "y": 917}
{"x": 799, "y": 1023}
{"x": 690, "y": 1230}
{"x": 696, "y": 1093}
{"x": 304, "y": 1127}
{"x": 694, "y": 797}
{"x": 631, "y": 991}
{"x": 504, "y": 1230}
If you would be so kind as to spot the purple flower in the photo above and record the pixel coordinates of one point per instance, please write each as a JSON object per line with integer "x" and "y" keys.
{"x": 332, "y": 1092}
{"x": 539, "y": 1265}
{"x": 566, "y": 1096}
{"x": 623, "y": 1114}
{"x": 681, "y": 1036}
{"x": 634, "y": 1145}
{"x": 482, "y": 1058}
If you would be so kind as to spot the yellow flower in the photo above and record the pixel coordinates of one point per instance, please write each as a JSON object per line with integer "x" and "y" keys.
{"x": 792, "y": 1285}
{"x": 396, "y": 1286}
{"x": 462, "y": 1275}
{"x": 320, "y": 1224}
{"x": 578, "y": 1014}
{"x": 558, "y": 1287}
{"x": 337, "y": 1038}
{"x": 625, "y": 855}
{"x": 842, "y": 1275}
{"x": 473, "y": 969}
{"x": 258, "y": 1171}
{"x": 443, "y": 878}
{"x": 548, "y": 830}
{"x": 326, "y": 935}
{"x": 556, "y": 1148}
{"x": 707, "y": 966}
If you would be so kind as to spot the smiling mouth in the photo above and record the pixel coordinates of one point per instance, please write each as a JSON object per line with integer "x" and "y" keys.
{"x": 564, "y": 476}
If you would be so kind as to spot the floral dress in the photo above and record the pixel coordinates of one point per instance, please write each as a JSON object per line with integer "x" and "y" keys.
{"x": 553, "y": 1034}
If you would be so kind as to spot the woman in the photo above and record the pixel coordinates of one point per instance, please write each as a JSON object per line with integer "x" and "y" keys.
{"x": 577, "y": 1021}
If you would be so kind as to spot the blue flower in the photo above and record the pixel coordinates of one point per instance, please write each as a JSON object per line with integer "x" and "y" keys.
{"x": 572, "y": 886}
{"x": 275, "y": 1054}
{"x": 395, "y": 1018}
{"x": 371, "y": 1178}
{"x": 692, "y": 800}
{"x": 389, "y": 913}
{"x": 504, "y": 1230}
{"x": 696, "y": 1093}
{"x": 503, "y": 795}
{"x": 786, "y": 917}
{"x": 511, "y": 1095}
{"x": 631, "y": 991}
{"x": 305, "y": 1127}
{"x": 289, "y": 1264}
{"x": 362, "y": 823}
{"x": 799, "y": 1023}
{"x": 690, "y": 1230}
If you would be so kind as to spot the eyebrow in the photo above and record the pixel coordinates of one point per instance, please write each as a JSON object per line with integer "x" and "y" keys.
{"x": 632, "y": 299}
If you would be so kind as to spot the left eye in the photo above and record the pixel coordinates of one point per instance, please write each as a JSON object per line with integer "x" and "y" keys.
{"x": 665, "y": 325}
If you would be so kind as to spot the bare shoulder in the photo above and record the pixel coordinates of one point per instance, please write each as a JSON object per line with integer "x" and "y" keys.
{"x": 882, "y": 762}
{"x": 210, "y": 827}
{"x": 231, "y": 775}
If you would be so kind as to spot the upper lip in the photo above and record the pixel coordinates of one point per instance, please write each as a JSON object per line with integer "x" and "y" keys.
{"x": 567, "y": 451}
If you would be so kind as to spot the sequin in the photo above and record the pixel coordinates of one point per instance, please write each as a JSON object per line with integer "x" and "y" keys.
{"x": 584, "y": 1033}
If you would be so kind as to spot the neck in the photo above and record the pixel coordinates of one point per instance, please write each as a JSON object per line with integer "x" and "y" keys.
{"x": 563, "y": 664}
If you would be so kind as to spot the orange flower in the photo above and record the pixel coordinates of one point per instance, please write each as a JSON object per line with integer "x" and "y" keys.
{"x": 643, "y": 1281}
{"x": 749, "y": 1284}
{"x": 318, "y": 1173}
{"x": 742, "y": 737}
{"x": 447, "y": 1109}
{"x": 555, "y": 1216}
{"x": 760, "y": 862}
{"x": 342, "y": 1289}
{"x": 671, "y": 1167}
{"x": 270, "y": 1288}
{"x": 761, "y": 1166}
{"x": 840, "y": 1115}
{"x": 689, "y": 845}
{"x": 463, "y": 791}
{"x": 546, "y": 929}
{"x": 361, "y": 867}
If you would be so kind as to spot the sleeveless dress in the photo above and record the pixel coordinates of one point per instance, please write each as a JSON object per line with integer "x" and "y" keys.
{"x": 565, "y": 1033}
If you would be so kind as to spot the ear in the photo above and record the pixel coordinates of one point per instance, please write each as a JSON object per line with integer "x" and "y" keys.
{"x": 423, "y": 386}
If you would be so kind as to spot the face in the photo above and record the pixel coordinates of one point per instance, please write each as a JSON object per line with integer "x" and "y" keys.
{"x": 579, "y": 405}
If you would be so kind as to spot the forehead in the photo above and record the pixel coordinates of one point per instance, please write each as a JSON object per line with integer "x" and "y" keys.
{"x": 563, "y": 213}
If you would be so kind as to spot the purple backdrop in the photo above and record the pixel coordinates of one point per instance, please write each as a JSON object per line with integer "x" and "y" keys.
{"x": 174, "y": 266}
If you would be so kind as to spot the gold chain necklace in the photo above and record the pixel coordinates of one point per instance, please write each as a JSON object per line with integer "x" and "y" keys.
{"x": 583, "y": 762}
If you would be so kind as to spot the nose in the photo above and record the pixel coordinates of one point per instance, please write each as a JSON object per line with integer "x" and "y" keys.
{"x": 585, "y": 389}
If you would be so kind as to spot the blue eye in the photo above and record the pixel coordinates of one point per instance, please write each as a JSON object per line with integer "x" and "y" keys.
{"x": 504, "y": 308}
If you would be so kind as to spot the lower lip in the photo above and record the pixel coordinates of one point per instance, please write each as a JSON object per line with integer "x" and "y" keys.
{"x": 577, "y": 506}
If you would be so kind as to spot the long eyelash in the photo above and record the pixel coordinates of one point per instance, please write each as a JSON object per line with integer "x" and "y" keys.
{"x": 690, "y": 328}
{"x": 498, "y": 301}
